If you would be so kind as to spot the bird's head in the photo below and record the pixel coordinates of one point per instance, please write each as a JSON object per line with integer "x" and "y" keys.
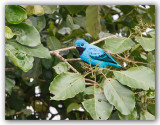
{"x": 81, "y": 45}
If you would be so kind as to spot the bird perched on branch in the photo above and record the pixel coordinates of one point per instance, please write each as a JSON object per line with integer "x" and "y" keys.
{"x": 96, "y": 56}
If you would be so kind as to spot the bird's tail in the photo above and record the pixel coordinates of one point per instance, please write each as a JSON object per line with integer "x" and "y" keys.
{"x": 119, "y": 66}
{"x": 123, "y": 68}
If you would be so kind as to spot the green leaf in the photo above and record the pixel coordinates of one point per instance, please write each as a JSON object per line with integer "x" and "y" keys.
{"x": 69, "y": 21}
{"x": 148, "y": 44}
{"x": 74, "y": 9}
{"x": 119, "y": 96}
{"x": 39, "y": 22}
{"x": 8, "y": 33}
{"x": 98, "y": 107}
{"x": 27, "y": 111}
{"x": 53, "y": 43}
{"x": 61, "y": 67}
{"x": 34, "y": 9}
{"x": 92, "y": 20}
{"x": 9, "y": 84}
{"x": 36, "y": 70}
{"x": 132, "y": 116}
{"x": 151, "y": 61}
{"x": 49, "y": 9}
{"x": 118, "y": 45}
{"x": 26, "y": 34}
{"x": 73, "y": 106}
{"x": 66, "y": 85}
{"x": 15, "y": 14}
{"x": 115, "y": 116}
{"x": 79, "y": 20}
{"x": 9, "y": 112}
{"x": 38, "y": 51}
{"x": 145, "y": 115}
{"x": 19, "y": 58}
{"x": 143, "y": 78}
{"x": 47, "y": 63}
{"x": 89, "y": 90}
{"x": 151, "y": 108}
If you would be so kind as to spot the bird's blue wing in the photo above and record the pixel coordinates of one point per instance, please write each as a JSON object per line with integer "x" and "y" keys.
{"x": 99, "y": 54}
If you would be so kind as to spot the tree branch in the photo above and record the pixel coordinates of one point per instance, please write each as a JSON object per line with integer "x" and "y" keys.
{"x": 112, "y": 36}
{"x": 73, "y": 47}
{"x": 120, "y": 57}
{"x": 57, "y": 52}
{"x": 89, "y": 80}
{"x": 74, "y": 59}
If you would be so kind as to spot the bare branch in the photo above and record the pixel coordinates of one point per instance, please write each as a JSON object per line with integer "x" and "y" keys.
{"x": 73, "y": 59}
{"x": 65, "y": 49}
{"x": 56, "y": 53}
{"x": 73, "y": 47}
{"x": 89, "y": 80}
{"x": 90, "y": 84}
{"x": 112, "y": 36}
{"x": 120, "y": 57}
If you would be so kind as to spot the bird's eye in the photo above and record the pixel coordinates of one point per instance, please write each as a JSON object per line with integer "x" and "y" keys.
{"x": 82, "y": 44}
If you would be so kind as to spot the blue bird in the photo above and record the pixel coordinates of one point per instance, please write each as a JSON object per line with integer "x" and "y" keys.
{"x": 96, "y": 56}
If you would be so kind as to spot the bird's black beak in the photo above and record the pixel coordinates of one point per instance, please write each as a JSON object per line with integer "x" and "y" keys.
{"x": 78, "y": 47}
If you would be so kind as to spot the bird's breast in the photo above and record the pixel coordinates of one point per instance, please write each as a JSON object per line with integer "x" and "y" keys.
{"x": 80, "y": 50}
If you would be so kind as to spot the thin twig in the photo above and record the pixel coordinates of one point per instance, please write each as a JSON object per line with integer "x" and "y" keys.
{"x": 65, "y": 49}
{"x": 91, "y": 84}
{"x": 73, "y": 47}
{"x": 73, "y": 59}
{"x": 56, "y": 53}
{"x": 120, "y": 57}
{"x": 89, "y": 80}
{"x": 112, "y": 36}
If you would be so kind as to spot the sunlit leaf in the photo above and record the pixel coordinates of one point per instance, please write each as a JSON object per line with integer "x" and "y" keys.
{"x": 34, "y": 9}
{"x": 61, "y": 67}
{"x": 89, "y": 90}
{"x": 145, "y": 115}
{"x": 119, "y": 96}
{"x": 98, "y": 107}
{"x": 19, "y": 58}
{"x": 118, "y": 45}
{"x": 92, "y": 20}
{"x": 26, "y": 34}
{"x": 8, "y": 33}
{"x": 38, "y": 51}
{"x": 148, "y": 44}
{"x": 66, "y": 85}
{"x": 143, "y": 78}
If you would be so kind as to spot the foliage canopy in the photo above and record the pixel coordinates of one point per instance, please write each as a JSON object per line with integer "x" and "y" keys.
{"x": 38, "y": 80}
